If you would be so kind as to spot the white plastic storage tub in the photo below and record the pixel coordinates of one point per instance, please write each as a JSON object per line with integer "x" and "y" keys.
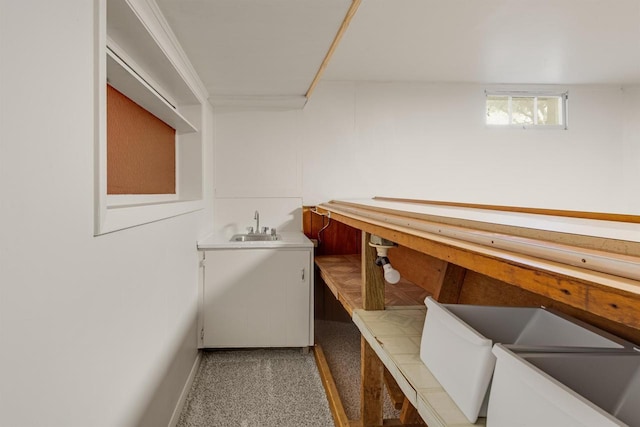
{"x": 457, "y": 340}
{"x": 564, "y": 389}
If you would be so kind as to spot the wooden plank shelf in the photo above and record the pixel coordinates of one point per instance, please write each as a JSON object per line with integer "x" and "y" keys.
{"x": 343, "y": 276}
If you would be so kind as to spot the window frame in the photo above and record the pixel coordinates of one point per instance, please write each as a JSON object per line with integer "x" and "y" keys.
{"x": 118, "y": 212}
{"x": 535, "y": 94}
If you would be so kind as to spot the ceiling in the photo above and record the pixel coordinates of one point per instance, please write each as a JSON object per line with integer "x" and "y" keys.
{"x": 267, "y": 52}
{"x": 492, "y": 41}
{"x": 256, "y": 51}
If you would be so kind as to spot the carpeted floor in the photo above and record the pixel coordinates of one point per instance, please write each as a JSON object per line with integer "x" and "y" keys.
{"x": 340, "y": 343}
{"x": 262, "y": 388}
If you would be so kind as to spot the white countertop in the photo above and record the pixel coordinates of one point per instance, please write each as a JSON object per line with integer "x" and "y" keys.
{"x": 289, "y": 239}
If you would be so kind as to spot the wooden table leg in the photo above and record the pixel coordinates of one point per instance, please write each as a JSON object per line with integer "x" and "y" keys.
{"x": 371, "y": 388}
{"x": 371, "y": 367}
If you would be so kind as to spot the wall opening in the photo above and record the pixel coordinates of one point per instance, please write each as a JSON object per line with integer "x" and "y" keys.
{"x": 141, "y": 149}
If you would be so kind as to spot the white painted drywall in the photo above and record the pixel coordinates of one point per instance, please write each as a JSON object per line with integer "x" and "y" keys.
{"x": 260, "y": 154}
{"x": 258, "y": 166}
{"x": 234, "y": 215}
{"x": 429, "y": 141}
{"x": 94, "y": 331}
{"x": 631, "y": 143}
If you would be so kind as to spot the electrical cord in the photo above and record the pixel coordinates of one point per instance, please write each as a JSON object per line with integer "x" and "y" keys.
{"x": 328, "y": 215}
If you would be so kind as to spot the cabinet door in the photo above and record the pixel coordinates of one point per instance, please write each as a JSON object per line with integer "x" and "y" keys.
{"x": 257, "y": 298}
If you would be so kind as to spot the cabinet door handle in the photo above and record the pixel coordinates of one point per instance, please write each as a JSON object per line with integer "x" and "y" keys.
{"x": 303, "y": 274}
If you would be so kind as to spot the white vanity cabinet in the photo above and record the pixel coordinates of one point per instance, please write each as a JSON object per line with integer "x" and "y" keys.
{"x": 257, "y": 297}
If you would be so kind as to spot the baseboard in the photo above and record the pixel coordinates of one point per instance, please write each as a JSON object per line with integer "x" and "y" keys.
{"x": 175, "y": 417}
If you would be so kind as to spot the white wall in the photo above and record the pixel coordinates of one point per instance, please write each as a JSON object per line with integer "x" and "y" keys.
{"x": 258, "y": 166}
{"x": 631, "y": 154}
{"x": 94, "y": 331}
{"x": 234, "y": 215}
{"x": 429, "y": 141}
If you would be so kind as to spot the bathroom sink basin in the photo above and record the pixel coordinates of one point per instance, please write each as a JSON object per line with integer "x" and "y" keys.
{"x": 254, "y": 237}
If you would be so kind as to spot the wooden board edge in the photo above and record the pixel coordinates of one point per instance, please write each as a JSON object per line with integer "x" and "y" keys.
{"x": 602, "y": 216}
{"x": 333, "y": 397}
{"x": 334, "y": 45}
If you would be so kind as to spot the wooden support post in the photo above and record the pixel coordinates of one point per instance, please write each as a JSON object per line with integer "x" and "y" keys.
{"x": 395, "y": 392}
{"x": 451, "y": 285}
{"x": 371, "y": 387}
{"x": 372, "y": 369}
{"x": 372, "y": 277}
{"x": 409, "y": 414}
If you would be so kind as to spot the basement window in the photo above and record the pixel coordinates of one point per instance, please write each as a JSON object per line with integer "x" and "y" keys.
{"x": 526, "y": 110}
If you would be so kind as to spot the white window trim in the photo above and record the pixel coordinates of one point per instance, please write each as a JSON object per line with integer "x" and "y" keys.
{"x": 531, "y": 94}
{"x": 117, "y": 212}
{"x": 114, "y": 200}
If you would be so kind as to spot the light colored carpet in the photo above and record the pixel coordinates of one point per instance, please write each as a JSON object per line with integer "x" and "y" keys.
{"x": 340, "y": 343}
{"x": 263, "y": 387}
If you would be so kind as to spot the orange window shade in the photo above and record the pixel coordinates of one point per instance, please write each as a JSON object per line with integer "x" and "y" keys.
{"x": 141, "y": 149}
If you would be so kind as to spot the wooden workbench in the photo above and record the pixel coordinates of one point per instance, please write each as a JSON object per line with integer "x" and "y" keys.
{"x": 586, "y": 265}
{"x": 593, "y": 277}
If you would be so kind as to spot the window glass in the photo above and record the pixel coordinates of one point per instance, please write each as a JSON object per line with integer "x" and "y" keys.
{"x": 524, "y": 109}
{"x": 549, "y": 108}
{"x": 497, "y": 110}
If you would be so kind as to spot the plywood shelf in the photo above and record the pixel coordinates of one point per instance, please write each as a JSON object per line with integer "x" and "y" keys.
{"x": 343, "y": 276}
{"x": 128, "y": 82}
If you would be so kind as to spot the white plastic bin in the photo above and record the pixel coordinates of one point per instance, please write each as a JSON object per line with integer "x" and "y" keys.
{"x": 564, "y": 389}
{"x": 457, "y": 341}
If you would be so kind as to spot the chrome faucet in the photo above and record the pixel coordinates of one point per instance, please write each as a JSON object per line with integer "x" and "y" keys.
{"x": 256, "y": 216}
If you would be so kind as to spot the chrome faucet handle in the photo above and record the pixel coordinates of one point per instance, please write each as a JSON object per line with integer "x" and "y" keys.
{"x": 250, "y": 230}
{"x": 265, "y": 230}
{"x": 256, "y": 216}
{"x": 273, "y": 231}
